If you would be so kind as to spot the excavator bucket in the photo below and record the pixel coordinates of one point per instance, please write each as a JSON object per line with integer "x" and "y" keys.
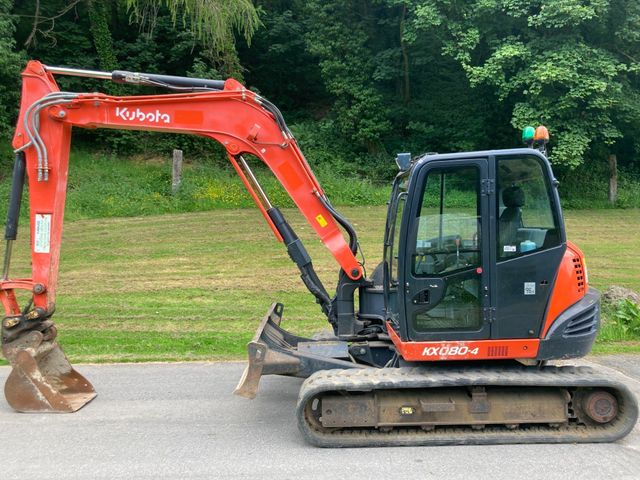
{"x": 42, "y": 379}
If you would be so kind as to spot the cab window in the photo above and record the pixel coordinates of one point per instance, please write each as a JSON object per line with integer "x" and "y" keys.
{"x": 448, "y": 245}
{"x": 395, "y": 237}
{"x": 526, "y": 219}
{"x": 448, "y": 236}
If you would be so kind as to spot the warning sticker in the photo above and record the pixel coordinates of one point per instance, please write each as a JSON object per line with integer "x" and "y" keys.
{"x": 529, "y": 288}
{"x": 321, "y": 221}
{"x": 42, "y": 240}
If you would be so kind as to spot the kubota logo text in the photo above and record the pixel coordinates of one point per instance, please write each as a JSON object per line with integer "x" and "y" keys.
{"x": 140, "y": 116}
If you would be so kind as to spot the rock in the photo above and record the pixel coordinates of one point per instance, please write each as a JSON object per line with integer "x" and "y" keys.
{"x": 616, "y": 294}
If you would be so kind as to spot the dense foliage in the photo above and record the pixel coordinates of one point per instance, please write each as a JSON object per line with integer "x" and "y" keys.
{"x": 10, "y": 63}
{"x": 362, "y": 79}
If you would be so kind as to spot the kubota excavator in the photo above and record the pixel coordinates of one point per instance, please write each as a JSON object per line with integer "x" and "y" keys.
{"x": 450, "y": 338}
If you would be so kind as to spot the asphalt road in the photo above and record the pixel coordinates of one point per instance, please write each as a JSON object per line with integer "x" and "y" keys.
{"x": 180, "y": 421}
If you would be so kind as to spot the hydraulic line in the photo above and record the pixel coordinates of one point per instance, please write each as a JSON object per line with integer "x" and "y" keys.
{"x": 301, "y": 258}
{"x": 353, "y": 237}
{"x": 31, "y": 122}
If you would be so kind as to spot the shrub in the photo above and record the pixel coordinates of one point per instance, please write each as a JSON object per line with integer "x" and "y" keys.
{"x": 627, "y": 317}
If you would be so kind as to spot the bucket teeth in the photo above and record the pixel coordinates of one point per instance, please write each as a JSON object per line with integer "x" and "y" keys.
{"x": 42, "y": 379}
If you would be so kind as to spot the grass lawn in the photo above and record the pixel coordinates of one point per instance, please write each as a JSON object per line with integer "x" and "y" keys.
{"x": 194, "y": 286}
{"x": 610, "y": 240}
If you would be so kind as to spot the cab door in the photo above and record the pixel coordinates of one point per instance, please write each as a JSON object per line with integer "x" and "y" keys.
{"x": 530, "y": 243}
{"x": 446, "y": 248}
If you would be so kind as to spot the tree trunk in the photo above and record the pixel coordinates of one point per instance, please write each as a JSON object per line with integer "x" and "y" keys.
{"x": 613, "y": 178}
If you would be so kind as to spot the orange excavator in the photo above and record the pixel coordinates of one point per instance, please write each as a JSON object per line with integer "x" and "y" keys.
{"x": 448, "y": 341}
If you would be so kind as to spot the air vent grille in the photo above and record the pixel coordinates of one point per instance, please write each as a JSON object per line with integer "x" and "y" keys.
{"x": 579, "y": 272}
{"x": 498, "y": 351}
{"x": 584, "y": 323}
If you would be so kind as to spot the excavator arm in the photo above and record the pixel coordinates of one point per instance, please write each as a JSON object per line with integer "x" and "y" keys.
{"x": 239, "y": 119}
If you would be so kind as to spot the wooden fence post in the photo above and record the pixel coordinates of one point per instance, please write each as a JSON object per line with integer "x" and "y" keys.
{"x": 176, "y": 178}
{"x": 613, "y": 178}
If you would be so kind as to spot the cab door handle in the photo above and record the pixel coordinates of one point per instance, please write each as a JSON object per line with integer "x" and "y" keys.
{"x": 421, "y": 298}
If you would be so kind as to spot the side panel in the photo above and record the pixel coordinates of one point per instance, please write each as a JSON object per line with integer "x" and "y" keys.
{"x": 523, "y": 288}
{"x": 573, "y": 332}
{"x": 570, "y": 286}
{"x": 465, "y": 350}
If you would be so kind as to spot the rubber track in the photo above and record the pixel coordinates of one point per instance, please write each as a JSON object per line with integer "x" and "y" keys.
{"x": 362, "y": 380}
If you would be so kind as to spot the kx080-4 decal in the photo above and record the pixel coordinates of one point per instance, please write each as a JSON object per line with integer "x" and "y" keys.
{"x": 449, "y": 351}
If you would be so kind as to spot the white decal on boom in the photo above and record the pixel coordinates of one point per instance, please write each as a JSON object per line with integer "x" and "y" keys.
{"x": 42, "y": 240}
{"x": 140, "y": 116}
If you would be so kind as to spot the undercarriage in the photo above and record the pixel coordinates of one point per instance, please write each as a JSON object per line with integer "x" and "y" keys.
{"x": 348, "y": 403}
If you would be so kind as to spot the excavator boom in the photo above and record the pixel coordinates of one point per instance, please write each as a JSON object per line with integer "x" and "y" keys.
{"x": 225, "y": 111}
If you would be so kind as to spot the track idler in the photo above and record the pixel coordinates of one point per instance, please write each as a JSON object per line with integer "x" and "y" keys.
{"x": 42, "y": 379}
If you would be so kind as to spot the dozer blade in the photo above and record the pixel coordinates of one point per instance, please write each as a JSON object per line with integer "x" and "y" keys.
{"x": 42, "y": 379}
{"x": 274, "y": 351}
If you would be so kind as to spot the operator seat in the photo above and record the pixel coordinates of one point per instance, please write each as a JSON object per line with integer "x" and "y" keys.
{"x": 511, "y": 217}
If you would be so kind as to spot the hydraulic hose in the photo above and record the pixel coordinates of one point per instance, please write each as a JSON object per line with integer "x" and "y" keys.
{"x": 299, "y": 255}
{"x": 17, "y": 185}
{"x": 13, "y": 213}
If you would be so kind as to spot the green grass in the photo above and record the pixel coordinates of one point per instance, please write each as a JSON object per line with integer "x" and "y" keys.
{"x": 615, "y": 348}
{"x": 194, "y": 286}
{"x": 102, "y": 186}
{"x": 611, "y": 244}
{"x": 610, "y": 241}
{"x": 184, "y": 287}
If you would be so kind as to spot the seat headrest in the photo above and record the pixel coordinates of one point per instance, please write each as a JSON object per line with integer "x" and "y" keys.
{"x": 513, "y": 197}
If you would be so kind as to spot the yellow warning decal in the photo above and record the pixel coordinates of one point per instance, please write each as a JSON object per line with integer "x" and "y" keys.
{"x": 321, "y": 221}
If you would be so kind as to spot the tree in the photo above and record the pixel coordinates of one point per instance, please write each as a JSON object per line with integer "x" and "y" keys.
{"x": 10, "y": 62}
{"x": 101, "y": 33}
{"x": 393, "y": 88}
{"x": 570, "y": 64}
{"x": 339, "y": 35}
{"x": 213, "y": 22}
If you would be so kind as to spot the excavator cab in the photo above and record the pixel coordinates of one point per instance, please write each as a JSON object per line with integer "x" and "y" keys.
{"x": 475, "y": 244}
{"x": 479, "y": 278}
{"x": 475, "y": 250}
